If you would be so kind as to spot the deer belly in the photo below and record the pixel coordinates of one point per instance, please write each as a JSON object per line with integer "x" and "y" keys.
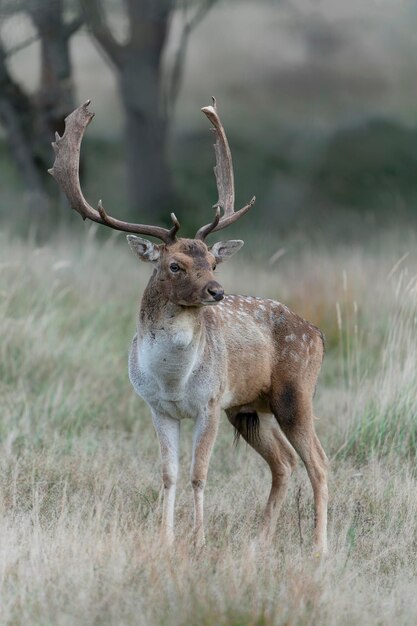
{"x": 249, "y": 377}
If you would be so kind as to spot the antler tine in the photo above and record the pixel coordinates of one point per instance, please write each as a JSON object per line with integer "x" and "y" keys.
{"x": 223, "y": 171}
{"x": 209, "y": 228}
{"x": 65, "y": 170}
{"x": 175, "y": 228}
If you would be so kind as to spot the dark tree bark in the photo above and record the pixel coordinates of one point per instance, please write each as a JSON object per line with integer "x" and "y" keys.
{"x": 17, "y": 115}
{"x": 55, "y": 96}
{"x": 138, "y": 68}
{"x": 148, "y": 173}
{"x": 31, "y": 121}
{"x": 140, "y": 79}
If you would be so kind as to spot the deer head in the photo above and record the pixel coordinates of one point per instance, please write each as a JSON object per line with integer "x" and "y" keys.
{"x": 183, "y": 267}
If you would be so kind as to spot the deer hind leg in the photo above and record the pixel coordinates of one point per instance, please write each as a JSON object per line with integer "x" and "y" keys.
{"x": 263, "y": 434}
{"x": 294, "y": 413}
{"x": 168, "y": 431}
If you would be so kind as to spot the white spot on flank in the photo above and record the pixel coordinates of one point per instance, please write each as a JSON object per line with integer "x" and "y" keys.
{"x": 290, "y": 337}
{"x": 305, "y": 337}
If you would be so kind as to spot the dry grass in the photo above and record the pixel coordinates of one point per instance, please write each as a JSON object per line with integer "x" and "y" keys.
{"x": 80, "y": 497}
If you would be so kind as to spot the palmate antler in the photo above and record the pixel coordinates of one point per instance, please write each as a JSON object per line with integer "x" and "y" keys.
{"x": 223, "y": 171}
{"x": 66, "y": 172}
{"x": 66, "y": 167}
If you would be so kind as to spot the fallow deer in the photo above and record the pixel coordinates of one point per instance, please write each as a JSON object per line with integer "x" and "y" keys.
{"x": 197, "y": 351}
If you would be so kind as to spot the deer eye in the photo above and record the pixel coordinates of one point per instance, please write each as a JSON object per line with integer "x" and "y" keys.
{"x": 214, "y": 267}
{"x": 174, "y": 267}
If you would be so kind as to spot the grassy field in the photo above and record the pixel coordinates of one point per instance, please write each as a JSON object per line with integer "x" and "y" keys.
{"x": 79, "y": 485}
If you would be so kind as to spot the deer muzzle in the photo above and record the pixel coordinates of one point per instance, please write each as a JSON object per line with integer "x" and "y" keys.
{"x": 213, "y": 292}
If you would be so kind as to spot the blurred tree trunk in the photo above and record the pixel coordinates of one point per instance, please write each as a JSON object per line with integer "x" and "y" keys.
{"x": 149, "y": 177}
{"x": 55, "y": 97}
{"x": 31, "y": 121}
{"x": 138, "y": 67}
{"x": 148, "y": 173}
{"x": 18, "y": 117}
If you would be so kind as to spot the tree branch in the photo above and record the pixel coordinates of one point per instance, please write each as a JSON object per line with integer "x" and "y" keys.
{"x": 174, "y": 81}
{"x": 97, "y": 25}
{"x": 21, "y": 46}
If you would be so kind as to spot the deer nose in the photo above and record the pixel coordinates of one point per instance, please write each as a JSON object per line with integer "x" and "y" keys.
{"x": 216, "y": 291}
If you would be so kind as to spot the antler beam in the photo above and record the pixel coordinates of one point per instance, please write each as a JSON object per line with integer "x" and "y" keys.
{"x": 223, "y": 171}
{"x": 65, "y": 170}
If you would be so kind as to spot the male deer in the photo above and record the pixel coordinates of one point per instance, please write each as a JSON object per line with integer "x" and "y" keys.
{"x": 198, "y": 351}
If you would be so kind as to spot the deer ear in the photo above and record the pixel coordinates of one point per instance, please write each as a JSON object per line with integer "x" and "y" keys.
{"x": 144, "y": 249}
{"x": 222, "y": 250}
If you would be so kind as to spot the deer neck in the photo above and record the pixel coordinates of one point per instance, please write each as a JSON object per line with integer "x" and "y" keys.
{"x": 160, "y": 318}
{"x": 170, "y": 342}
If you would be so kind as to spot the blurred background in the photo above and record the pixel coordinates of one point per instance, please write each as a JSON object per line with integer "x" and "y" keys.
{"x": 318, "y": 99}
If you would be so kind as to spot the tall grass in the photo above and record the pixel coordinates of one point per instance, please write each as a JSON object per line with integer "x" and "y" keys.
{"x": 385, "y": 411}
{"x": 80, "y": 497}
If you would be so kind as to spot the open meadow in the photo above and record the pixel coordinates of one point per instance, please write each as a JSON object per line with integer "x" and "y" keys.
{"x": 80, "y": 497}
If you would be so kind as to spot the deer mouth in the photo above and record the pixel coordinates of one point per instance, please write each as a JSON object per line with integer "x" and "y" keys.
{"x": 198, "y": 304}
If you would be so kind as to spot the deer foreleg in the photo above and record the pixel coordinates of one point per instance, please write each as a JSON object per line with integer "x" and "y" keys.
{"x": 168, "y": 431}
{"x": 204, "y": 437}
